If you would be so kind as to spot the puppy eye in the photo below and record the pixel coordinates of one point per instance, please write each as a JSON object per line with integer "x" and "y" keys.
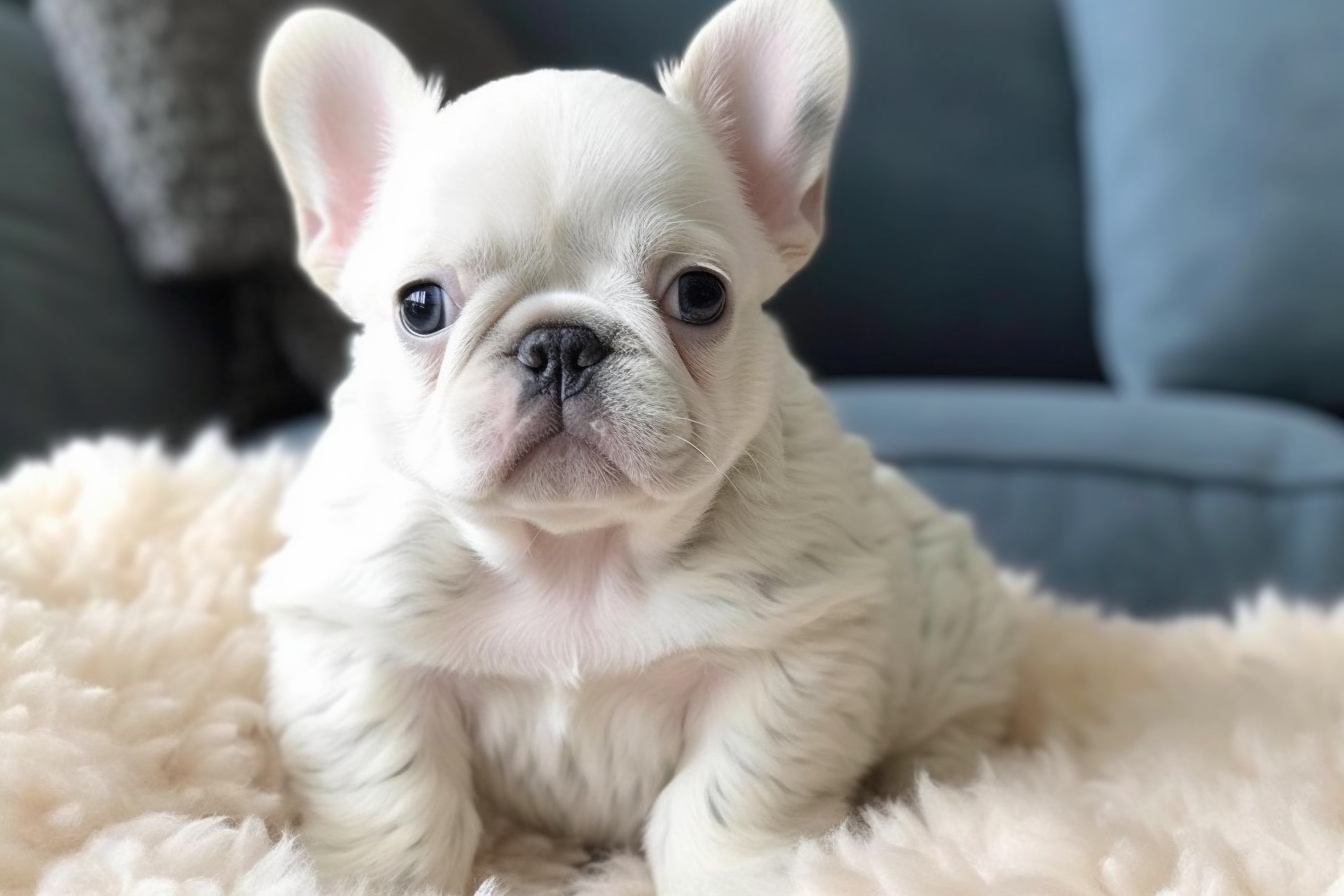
{"x": 697, "y": 297}
{"x": 425, "y": 308}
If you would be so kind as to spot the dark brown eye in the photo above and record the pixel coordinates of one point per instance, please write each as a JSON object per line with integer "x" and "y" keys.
{"x": 425, "y": 308}
{"x": 697, "y": 297}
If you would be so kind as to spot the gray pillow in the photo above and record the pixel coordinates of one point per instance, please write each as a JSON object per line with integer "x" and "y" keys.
{"x": 1214, "y": 143}
{"x": 163, "y": 93}
{"x": 84, "y": 345}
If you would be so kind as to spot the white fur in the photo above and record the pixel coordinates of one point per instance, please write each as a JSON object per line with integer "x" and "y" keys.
{"x": 1191, "y": 757}
{"x": 681, "y": 613}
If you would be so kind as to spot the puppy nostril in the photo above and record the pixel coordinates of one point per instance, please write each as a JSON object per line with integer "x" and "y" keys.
{"x": 561, "y": 359}
{"x": 591, "y": 354}
{"x": 534, "y": 352}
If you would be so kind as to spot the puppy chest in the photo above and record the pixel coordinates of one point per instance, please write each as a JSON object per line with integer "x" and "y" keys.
{"x": 583, "y": 762}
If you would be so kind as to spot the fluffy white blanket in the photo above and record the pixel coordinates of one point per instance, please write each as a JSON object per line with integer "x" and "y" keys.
{"x": 1191, "y": 757}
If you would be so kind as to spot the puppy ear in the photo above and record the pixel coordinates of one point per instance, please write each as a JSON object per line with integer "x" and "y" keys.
{"x": 335, "y": 94}
{"x": 769, "y": 78}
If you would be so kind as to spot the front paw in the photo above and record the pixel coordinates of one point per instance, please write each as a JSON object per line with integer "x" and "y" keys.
{"x": 622, "y": 874}
{"x": 523, "y": 863}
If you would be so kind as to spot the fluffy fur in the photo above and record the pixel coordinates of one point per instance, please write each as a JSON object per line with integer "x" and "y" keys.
{"x": 676, "y": 610}
{"x": 1192, "y": 757}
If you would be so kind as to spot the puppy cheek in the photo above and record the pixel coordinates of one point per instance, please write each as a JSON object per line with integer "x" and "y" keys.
{"x": 394, "y": 389}
{"x": 470, "y": 433}
{"x": 734, "y": 382}
{"x": 751, "y": 385}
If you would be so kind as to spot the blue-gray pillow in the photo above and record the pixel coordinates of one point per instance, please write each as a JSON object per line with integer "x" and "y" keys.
{"x": 1155, "y": 505}
{"x": 1214, "y": 149}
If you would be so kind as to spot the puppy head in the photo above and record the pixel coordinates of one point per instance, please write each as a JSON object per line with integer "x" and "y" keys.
{"x": 560, "y": 275}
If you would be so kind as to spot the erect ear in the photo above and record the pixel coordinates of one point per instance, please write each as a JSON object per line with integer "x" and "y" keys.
{"x": 335, "y": 94}
{"x": 769, "y": 78}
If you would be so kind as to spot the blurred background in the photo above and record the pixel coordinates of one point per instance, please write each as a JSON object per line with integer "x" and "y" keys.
{"x": 1084, "y": 275}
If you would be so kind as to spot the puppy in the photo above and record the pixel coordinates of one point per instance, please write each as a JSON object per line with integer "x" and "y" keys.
{"x": 582, "y": 546}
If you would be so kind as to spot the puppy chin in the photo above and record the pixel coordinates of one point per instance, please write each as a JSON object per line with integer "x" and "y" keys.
{"x": 536, "y": 456}
{"x": 564, "y": 470}
{"x": 579, "y": 479}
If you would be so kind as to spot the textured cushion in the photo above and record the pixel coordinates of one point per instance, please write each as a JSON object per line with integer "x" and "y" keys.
{"x": 1153, "y": 504}
{"x": 1215, "y": 151}
{"x": 955, "y": 243}
{"x": 163, "y": 92}
{"x": 83, "y": 344}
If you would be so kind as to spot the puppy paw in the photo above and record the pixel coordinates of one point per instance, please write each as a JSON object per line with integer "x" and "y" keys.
{"x": 616, "y": 875}
{"x": 523, "y": 863}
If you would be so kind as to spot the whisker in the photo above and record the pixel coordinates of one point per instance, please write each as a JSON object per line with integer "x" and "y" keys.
{"x": 746, "y": 452}
{"x": 527, "y": 552}
{"x": 717, "y": 468}
{"x": 690, "y": 205}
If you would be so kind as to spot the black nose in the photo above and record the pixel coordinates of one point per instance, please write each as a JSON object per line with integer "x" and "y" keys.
{"x": 560, "y": 360}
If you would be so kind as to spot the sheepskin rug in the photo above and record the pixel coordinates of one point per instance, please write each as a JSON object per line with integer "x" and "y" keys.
{"x": 1199, "y": 756}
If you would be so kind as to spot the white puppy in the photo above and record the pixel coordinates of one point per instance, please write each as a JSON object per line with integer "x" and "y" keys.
{"x": 583, "y": 546}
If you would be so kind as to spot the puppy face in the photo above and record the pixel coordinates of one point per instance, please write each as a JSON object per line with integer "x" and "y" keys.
{"x": 560, "y": 275}
{"x": 600, "y": 283}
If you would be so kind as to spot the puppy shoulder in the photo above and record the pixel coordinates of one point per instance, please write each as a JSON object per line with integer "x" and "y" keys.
{"x": 356, "y": 531}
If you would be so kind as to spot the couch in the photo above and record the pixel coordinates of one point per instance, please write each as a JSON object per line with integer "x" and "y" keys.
{"x": 1052, "y": 292}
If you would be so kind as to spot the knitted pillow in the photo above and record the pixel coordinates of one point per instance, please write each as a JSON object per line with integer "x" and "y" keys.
{"x": 163, "y": 92}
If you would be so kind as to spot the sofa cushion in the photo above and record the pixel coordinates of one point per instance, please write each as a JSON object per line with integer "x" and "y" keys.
{"x": 955, "y": 223}
{"x": 1214, "y": 134}
{"x": 1157, "y": 505}
{"x": 83, "y": 344}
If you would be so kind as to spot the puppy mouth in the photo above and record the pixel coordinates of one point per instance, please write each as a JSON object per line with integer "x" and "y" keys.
{"x": 577, "y": 454}
{"x": 550, "y": 433}
{"x": 565, "y": 469}
{"x": 563, "y": 449}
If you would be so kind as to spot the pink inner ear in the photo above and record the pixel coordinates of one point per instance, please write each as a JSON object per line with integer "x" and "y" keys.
{"x": 351, "y": 119}
{"x": 759, "y": 109}
{"x": 813, "y": 204}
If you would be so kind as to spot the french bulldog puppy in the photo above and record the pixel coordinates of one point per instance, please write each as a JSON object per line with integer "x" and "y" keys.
{"x": 583, "y": 547}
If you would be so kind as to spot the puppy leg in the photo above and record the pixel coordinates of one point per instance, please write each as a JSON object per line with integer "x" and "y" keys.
{"x": 965, "y": 663}
{"x": 378, "y": 761}
{"x": 780, "y": 754}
